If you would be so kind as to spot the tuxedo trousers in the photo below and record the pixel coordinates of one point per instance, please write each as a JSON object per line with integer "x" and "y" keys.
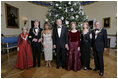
{"x": 36, "y": 50}
{"x": 98, "y": 59}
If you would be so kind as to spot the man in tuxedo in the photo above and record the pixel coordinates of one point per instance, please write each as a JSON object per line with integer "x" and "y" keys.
{"x": 35, "y": 39}
{"x": 99, "y": 42}
{"x": 60, "y": 43}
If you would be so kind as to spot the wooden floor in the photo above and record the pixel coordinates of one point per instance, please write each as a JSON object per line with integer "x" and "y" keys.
{"x": 8, "y": 69}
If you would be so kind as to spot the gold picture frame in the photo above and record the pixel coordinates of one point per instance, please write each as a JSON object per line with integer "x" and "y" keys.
{"x": 107, "y": 22}
{"x": 12, "y": 16}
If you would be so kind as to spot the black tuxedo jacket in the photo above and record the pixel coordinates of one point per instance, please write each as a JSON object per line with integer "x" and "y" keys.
{"x": 63, "y": 37}
{"x": 101, "y": 41}
{"x": 32, "y": 34}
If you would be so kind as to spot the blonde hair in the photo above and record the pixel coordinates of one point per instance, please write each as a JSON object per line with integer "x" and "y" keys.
{"x": 36, "y": 21}
{"x": 72, "y": 23}
{"x": 86, "y": 24}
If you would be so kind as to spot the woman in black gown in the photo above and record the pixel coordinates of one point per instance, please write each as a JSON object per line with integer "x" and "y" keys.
{"x": 86, "y": 37}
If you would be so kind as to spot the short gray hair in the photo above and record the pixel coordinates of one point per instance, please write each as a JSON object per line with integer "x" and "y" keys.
{"x": 24, "y": 27}
{"x": 96, "y": 22}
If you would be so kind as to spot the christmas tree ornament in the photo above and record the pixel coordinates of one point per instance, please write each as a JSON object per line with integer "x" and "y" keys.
{"x": 66, "y": 10}
{"x": 62, "y": 18}
{"x": 72, "y": 17}
{"x": 71, "y": 9}
{"x": 69, "y": 2}
{"x": 57, "y": 5}
{"x": 82, "y": 13}
{"x": 60, "y": 7}
{"x": 75, "y": 4}
{"x": 67, "y": 22}
{"x": 56, "y": 15}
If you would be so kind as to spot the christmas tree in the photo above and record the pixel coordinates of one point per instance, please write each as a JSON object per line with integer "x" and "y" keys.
{"x": 67, "y": 11}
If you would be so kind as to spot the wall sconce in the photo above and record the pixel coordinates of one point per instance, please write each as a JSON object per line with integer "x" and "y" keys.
{"x": 25, "y": 20}
{"x": 46, "y": 20}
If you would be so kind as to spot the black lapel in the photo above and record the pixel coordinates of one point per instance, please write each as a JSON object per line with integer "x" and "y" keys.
{"x": 99, "y": 32}
{"x": 56, "y": 32}
{"x": 62, "y": 30}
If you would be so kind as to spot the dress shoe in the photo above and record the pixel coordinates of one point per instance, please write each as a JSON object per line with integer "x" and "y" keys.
{"x": 63, "y": 67}
{"x": 85, "y": 68}
{"x": 89, "y": 68}
{"x": 38, "y": 65}
{"x": 95, "y": 69}
{"x": 101, "y": 73}
{"x": 57, "y": 67}
{"x": 34, "y": 66}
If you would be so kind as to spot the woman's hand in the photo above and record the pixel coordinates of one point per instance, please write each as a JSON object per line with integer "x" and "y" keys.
{"x": 17, "y": 48}
{"x": 66, "y": 46}
{"x": 78, "y": 48}
{"x": 40, "y": 40}
{"x": 105, "y": 49}
{"x": 43, "y": 45}
{"x": 54, "y": 46}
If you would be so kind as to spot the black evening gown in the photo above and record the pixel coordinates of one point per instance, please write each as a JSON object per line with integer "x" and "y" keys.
{"x": 85, "y": 49}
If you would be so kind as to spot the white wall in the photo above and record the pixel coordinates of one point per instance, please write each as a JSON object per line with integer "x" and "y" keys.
{"x": 26, "y": 9}
{"x": 98, "y": 11}
{"x": 102, "y": 9}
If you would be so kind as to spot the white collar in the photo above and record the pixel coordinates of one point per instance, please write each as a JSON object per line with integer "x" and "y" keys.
{"x": 59, "y": 26}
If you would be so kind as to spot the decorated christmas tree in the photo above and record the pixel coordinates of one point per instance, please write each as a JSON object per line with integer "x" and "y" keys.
{"x": 67, "y": 11}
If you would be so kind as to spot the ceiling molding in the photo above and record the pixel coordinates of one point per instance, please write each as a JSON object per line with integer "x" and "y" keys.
{"x": 84, "y": 3}
{"x": 47, "y": 3}
{"x": 41, "y": 3}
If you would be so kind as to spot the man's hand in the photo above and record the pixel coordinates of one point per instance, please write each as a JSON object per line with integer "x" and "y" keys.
{"x": 54, "y": 46}
{"x": 105, "y": 49}
{"x": 17, "y": 48}
{"x": 35, "y": 40}
{"x": 90, "y": 36}
{"x": 66, "y": 46}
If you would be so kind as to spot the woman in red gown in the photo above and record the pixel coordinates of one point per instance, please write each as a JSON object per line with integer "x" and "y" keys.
{"x": 24, "y": 56}
{"x": 73, "y": 56}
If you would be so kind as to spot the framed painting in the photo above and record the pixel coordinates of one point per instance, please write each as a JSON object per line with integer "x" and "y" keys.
{"x": 107, "y": 22}
{"x": 12, "y": 16}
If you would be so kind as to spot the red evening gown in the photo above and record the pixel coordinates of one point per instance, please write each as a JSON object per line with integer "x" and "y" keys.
{"x": 24, "y": 55}
{"x": 73, "y": 56}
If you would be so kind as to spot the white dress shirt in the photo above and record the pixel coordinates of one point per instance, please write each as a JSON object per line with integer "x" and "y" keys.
{"x": 36, "y": 30}
{"x": 59, "y": 30}
{"x": 96, "y": 32}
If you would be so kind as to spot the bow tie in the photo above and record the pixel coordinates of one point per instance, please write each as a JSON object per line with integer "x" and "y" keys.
{"x": 59, "y": 27}
{"x": 97, "y": 29}
{"x": 35, "y": 28}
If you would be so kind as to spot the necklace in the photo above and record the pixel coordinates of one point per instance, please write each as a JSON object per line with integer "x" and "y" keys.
{"x": 24, "y": 37}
